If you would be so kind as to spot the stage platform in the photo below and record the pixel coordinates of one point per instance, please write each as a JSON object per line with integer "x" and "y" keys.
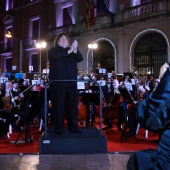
{"x": 89, "y": 141}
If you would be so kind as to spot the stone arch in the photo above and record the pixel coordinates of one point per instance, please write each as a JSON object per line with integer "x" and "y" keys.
{"x": 115, "y": 52}
{"x": 139, "y": 35}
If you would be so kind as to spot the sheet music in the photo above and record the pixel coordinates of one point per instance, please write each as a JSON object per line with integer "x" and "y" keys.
{"x": 102, "y": 82}
{"x": 102, "y": 70}
{"x": 35, "y": 82}
{"x": 80, "y": 85}
{"x": 3, "y": 79}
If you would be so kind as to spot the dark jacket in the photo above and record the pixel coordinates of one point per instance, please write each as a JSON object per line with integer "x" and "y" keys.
{"x": 62, "y": 65}
{"x": 153, "y": 113}
{"x": 108, "y": 94}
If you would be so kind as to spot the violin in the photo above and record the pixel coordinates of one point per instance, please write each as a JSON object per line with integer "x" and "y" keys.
{"x": 7, "y": 104}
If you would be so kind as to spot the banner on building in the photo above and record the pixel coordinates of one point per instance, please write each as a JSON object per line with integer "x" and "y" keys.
{"x": 89, "y": 19}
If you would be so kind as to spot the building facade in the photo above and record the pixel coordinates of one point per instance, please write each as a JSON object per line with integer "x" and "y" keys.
{"x": 128, "y": 33}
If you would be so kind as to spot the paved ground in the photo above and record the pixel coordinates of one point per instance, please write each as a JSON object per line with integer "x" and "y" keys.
{"x": 103, "y": 161}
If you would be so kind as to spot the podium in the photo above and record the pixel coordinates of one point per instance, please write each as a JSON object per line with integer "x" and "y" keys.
{"x": 89, "y": 141}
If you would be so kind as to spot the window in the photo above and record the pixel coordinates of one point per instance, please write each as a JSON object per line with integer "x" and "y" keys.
{"x": 8, "y": 41}
{"x": 66, "y": 16}
{"x": 135, "y": 2}
{"x": 34, "y": 62}
{"x": 35, "y": 28}
{"x": 8, "y": 64}
{"x": 9, "y": 4}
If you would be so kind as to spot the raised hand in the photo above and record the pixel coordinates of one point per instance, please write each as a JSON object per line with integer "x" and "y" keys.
{"x": 163, "y": 70}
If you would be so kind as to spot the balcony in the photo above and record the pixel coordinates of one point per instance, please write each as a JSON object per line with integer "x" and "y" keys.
{"x": 145, "y": 11}
{"x": 29, "y": 43}
{"x": 6, "y": 47}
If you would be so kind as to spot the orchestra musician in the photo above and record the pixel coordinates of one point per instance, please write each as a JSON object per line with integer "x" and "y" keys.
{"x": 114, "y": 108}
{"x": 17, "y": 97}
{"x": 6, "y": 107}
{"x": 90, "y": 107}
{"x": 46, "y": 71}
{"x": 108, "y": 92}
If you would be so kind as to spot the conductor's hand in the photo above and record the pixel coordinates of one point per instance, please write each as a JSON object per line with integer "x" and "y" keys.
{"x": 163, "y": 70}
{"x": 75, "y": 46}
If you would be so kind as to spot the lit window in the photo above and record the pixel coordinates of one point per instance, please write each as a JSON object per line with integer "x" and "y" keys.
{"x": 9, "y": 4}
{"x": 136, "y": 2}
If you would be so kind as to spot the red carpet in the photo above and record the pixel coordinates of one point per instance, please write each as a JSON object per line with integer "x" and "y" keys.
{"x": 8, "y": 146}
{"x": 113, "y": 138}
{"x": 130, "y": 144}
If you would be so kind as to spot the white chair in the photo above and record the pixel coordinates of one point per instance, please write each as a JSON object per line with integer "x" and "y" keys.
{"x": 42, "y": 123}
{"x": 137, "y": 130}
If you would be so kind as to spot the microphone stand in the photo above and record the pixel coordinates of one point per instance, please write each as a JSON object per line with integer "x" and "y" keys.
{"x": 26, "y": 109}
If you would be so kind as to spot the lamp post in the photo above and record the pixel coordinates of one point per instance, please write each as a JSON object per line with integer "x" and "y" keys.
{"x": 41, "y": 45}
{"x": 92, "y": 47}
{"x": 9, "y": 35}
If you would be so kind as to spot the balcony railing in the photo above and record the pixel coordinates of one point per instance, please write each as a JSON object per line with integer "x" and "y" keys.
{"x": 6, "y": 47}
{"x": 28, "y": 43}
{"x": 155, "y": 8}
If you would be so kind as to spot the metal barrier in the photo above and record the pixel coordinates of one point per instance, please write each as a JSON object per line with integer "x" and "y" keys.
{"x": 46, "y": 102}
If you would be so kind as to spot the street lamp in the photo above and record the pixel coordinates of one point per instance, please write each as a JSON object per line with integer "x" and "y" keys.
{"x": 92, "y": 47}
{"x": 41, "y": 45}
{"x": 9, "y": 35}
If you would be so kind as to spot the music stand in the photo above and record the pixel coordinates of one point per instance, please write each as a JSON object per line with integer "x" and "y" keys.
{"x": 94, "y": 88}
{"x": 127, "y": 97}
{"x": 91, "y": 99}
{"x": 25, "y": 106}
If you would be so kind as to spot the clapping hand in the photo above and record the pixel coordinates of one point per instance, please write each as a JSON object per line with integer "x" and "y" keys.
{"x": 75, "y": 46}
{"x": 163, "y": 70}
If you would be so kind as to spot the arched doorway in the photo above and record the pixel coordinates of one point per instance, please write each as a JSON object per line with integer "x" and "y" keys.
{"x": 105, "y": 54}
{"x": 150, "y": 54}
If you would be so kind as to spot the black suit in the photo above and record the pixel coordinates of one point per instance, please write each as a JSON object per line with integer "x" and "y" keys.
{"x": 108, "y": 92}
{"x": 64, "y": 95}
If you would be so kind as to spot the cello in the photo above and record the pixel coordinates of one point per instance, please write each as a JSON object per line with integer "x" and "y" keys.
{"x": 111, "y": 110}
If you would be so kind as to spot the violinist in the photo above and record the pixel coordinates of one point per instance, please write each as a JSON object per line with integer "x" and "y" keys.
{"x": 24, "y": 85}
{"x": 16, "y": 98}
{"x": 6, "y": 106}
{"x": 121, "y": 105}
{"x": 16, "y": 95}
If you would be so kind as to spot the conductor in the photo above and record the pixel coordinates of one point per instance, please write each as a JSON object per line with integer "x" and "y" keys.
{"x": 63, "y": 60}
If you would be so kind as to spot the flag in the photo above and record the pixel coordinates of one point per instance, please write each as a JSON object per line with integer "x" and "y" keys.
{"x": 89, "y": 18}
{"x": 101, "y": 5}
